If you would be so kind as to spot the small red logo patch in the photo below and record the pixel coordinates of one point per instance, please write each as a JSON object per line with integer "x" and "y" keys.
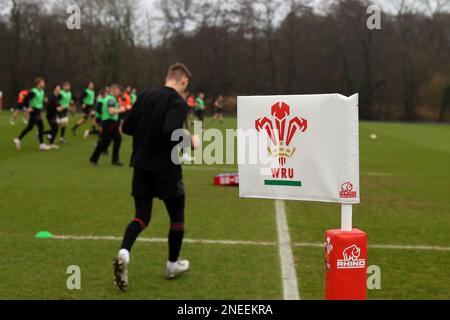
{"x": 347, "y": 191}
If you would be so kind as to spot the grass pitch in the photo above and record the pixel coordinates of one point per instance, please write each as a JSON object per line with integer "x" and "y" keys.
{"x": 405, "y": 179}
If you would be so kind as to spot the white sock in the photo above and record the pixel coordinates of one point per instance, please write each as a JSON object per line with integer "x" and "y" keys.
{"x": 171, "y": 265}
{"x": 125, "y": 254}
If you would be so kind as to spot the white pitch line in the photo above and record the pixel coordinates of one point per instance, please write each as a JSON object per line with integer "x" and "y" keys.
{"x": 288, "y": 273}
{"x": 164, "y": 240}
{"x": 382, "y": 246}
{"x": 408, "y": 247}
{"x": 251, "y": 243}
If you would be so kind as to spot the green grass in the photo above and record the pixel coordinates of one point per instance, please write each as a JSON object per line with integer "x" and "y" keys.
{"x": 405, "y": 178}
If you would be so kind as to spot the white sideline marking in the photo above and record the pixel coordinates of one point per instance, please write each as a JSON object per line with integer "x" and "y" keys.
{"x": 252, "y": 243}
{"x": 381, "y": 246}
{"x": 408, "y": 247}
{"x": 164, "y": 240}
{"x": 288, "y": 273}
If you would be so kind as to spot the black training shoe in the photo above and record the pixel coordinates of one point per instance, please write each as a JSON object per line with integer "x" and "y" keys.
{"x": 120, "y": 273}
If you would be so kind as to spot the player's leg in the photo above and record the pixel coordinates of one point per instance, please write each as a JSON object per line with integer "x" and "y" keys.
{"x": 103, "y": 143}
{"x": 143, "y": 212}
{"x": 25, "y": 116}
{"x": 117, "y": 139}
{"x": 94, "y": 129}
{"x": 175, "y": 208}
{"x": 143, "y": 207}
{"x": 64, "y": 124}
{"x": 83, "y": 120}
{"x": 14, "y": 114}
{"x": 53, "y": 132}
{"x": 40, "y": 125}
{"x": 78, "y": 124}
{"x": 25, "y": 131}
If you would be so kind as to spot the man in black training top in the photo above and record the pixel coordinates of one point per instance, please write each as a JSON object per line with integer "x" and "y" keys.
{"x": 151, "y": 122}
{"x": 52, "y": 111}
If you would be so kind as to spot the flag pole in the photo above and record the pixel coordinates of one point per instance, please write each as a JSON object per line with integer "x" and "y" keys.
{"x": 346, "y": 217}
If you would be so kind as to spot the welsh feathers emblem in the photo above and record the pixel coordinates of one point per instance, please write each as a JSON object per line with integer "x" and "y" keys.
{"x": 281, "y": 130}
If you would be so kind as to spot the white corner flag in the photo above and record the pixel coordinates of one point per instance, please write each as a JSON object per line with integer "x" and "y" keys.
{"x": 302, "y": 147}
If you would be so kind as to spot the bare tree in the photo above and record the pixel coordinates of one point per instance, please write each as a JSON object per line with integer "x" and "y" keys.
{"x": 177, "y": 14}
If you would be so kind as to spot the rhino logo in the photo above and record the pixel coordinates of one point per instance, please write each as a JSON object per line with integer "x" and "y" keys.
{"x": 348, "y": 186}
{"x": 347, "y": 191}
{"x": 351, "y": 259}
{"x": 352, "y": 253}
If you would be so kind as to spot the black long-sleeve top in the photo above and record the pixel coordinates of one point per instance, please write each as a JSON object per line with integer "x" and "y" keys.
{"x": 151, "y": 122}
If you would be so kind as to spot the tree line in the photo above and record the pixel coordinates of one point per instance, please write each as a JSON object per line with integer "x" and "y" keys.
{"x": 239, "y": 47}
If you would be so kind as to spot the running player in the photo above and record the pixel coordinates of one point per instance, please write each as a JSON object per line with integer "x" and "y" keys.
{"x": 65, "y": 101}
{"x": 133, "y": 96}
{"x": 34, "y": 102}
{"x": 127, "y": 101}
{"x": 151, "y": 123}
{"x": 20, "y": 107}
{"x": 87, "y": 99}
{"x": 110, "y": 127}
{"x": 218, "y": 104}
{"x": 200, "y": 107}
{"x": 190, "y": 100}
{"x": 52, "y": 111}
{"x": 98, "y": 108}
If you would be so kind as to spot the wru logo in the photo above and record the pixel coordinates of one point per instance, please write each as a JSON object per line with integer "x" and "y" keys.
{"x": 281, "y": 131}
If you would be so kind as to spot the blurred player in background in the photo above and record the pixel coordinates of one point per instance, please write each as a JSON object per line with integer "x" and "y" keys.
{"x": 218, "y": 105}
{"x": 200, "y": 107}
{"x": 110, "y": 127}
{"x": 52, "y": 112}
{"x": 133, "y": 96}
{"x": 98, "y": 109}
{"x": 127, "y": 101}
{"x": 65, "y": 101}
{"x": 34, "y": 102}
{"x": 19, "y": 107}
{"x": 87, "y": 99}
{"x": 190, "y": 100}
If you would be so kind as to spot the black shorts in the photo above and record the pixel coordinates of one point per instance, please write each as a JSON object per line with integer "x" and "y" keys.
{"x": 156, "y": 185}
{"x": 35, "y": 116}
{"x": 88, "y": 110}
{"x": 219, "y": 110}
